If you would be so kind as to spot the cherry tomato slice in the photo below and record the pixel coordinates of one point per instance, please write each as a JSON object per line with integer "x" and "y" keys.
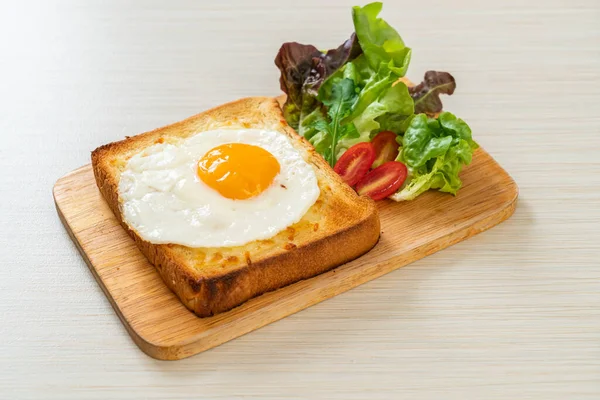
{"x": 386, "y": 147}
{"x": 383, "y": 180}
{"x": 355, "y": 162}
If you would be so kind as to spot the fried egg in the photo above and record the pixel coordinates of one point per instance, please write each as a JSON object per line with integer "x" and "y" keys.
{"x": 217, "y": 188}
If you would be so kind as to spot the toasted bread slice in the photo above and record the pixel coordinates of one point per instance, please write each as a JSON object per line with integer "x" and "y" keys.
{"x": 339, "y": 227}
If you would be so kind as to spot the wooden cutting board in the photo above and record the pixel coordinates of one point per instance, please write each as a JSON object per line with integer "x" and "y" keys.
{"x": 163, "y": 328}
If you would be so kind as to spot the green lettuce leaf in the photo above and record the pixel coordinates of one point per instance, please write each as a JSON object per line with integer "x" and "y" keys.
{"x": 399, "y": 107}
{"x": 393, "y": 102}
{"x": 329, "y": 129}
{"x": 371, "y": 84}
{"x": 423, "y": 141}
{"x": 435, "y": 150}
{"x": 381, "y": 44}
{"x": 309, "y": 126}
{"x": 388, "y": 112}
{"x": 456, "y": 127}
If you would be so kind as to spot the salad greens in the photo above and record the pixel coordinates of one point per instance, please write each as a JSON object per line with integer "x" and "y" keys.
{"x": 347, "y": 95}
{"x": 434, "y": 150}
{"x": 339, "y": 103}
{"x": 303, "y": 71}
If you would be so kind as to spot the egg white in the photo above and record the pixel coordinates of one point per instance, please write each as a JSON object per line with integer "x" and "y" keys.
{"x": 164, "y": 201}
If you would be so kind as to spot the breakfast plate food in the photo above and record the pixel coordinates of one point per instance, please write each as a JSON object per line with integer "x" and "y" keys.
{"x": 232, "y": 203}
{"x": 206, "y": 229}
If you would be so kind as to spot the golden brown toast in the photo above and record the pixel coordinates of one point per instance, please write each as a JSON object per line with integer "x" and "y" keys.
{"x": 339, "y": 227}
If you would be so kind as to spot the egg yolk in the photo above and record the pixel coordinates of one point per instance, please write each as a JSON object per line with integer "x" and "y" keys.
{"x": 238, "y": 171}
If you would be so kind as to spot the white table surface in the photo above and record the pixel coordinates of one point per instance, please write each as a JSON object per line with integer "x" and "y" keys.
{"x": 513, "y": 313}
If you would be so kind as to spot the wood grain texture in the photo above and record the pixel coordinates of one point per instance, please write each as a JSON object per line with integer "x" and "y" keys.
{"x": 509, "y": 314}
{"x": 163, "y": 328}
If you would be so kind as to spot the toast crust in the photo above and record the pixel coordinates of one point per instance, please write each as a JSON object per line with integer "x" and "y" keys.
{"x": 339, "y": 227}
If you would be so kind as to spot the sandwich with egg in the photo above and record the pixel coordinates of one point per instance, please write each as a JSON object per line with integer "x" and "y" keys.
{"x": 232, "y": 203}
